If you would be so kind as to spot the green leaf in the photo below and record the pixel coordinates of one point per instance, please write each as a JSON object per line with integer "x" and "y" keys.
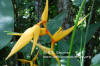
{"x": 3, "y": 53}
{"x": 96, "y": 60}
{"x": 6, "y": 21}
{"x": 92, "y": 29}
{"x": 27, "y": 49}
{"x": 63, "y": 46}
{"x": 78, "y": 2}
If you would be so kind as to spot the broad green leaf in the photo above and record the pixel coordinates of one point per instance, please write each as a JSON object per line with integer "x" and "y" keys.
{"x": 63, "y": 46}
{"x": 92, "y": 29}
{"x": 6, "y": 21}
{"x": 56, "y": 22}
{"x": 96, "y": 60}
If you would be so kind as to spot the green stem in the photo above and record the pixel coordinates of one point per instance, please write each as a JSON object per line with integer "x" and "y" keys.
{"x": 43, "y": 60}
{"x": 81, "y": 45}
{"x": 73, "y": 34}
{"x": 89, "y": 20}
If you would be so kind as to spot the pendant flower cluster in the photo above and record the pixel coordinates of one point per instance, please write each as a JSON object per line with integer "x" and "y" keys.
{"x": 33, "y": 33}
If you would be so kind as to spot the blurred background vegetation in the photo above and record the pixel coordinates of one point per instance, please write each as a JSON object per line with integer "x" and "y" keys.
{"x": 18, "y": 15}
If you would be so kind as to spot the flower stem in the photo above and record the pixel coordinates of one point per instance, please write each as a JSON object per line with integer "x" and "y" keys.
{"x": 73, "y": 34}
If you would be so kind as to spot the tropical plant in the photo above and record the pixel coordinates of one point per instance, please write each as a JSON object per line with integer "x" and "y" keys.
{"x": 40, "y": 39}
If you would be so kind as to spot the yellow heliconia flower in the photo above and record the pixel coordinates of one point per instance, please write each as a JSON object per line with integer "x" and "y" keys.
{"x": 43, "y": 31}
{"x": 48, "y": 51}
{"x": 60, "y": 34}
{"x": 30, "y": 62}
{"x": 44, "y": 19}
{"x": 26, "y": 37}
{"x": 44, "y": 16}
{"x": 34, "y": 33}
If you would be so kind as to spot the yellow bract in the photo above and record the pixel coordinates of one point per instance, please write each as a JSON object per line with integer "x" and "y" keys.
{"x": 49, "y": 51}
{"x": 44, "y": 16}
{"x": 27, "y": 61}
{"x": 31, "y": 62}
{"x": 42, "y": 32}
{"x": 25, "y": 38}
{"x": 36, "y": 34}
{"x": 60, "y": 34}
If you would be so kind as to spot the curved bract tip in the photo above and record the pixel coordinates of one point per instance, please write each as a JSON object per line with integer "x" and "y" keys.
{"x": 44, "y": 16}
